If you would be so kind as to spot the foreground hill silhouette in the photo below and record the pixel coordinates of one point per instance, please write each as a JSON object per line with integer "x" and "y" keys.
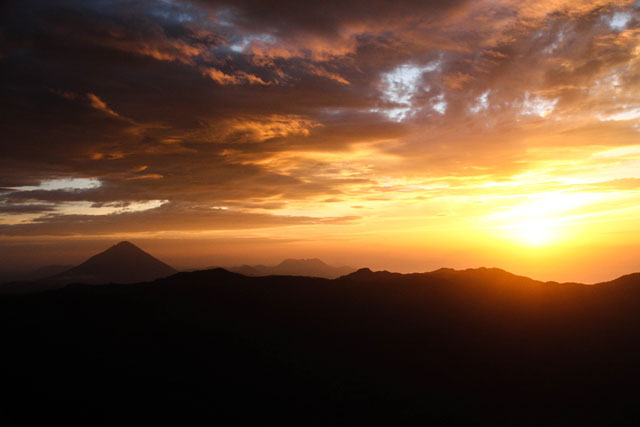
{"x": 121, "y": 263}
{"x": 294, "y": 267}
{"x": 214, "y": 347}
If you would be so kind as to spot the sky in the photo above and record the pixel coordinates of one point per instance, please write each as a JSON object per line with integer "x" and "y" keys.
{"x": 405, "y": 135}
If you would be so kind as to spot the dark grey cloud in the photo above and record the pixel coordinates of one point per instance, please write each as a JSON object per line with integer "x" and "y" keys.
{"x": 169, "y": 217}
{"x": 22, "y": 209}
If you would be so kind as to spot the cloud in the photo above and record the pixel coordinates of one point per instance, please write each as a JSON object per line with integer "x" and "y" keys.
{"x": 17, "y": 209}
{"x": 457, "y": 80}
{"x": 280, "y": 106}
{"x": 170, "y": 217}
{"x": 261, "y": 128}
{"x": 99, "y": 104}
{"x": 320, "y": 71}
{"x": 238, "y": 77}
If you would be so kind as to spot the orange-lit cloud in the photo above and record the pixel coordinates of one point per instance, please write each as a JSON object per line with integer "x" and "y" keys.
{"x": 232, "y": 79}
{"x": 99, "y": 104}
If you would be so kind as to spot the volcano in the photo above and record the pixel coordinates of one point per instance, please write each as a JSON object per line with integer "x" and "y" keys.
{"x": 121, "y": 263}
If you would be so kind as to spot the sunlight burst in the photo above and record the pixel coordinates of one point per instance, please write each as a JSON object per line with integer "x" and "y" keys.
{"x": 535, "y": 232}
{"x": 540, "y": 220}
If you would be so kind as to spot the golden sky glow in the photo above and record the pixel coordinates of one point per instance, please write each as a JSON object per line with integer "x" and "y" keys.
{"x": 408, "y": 136}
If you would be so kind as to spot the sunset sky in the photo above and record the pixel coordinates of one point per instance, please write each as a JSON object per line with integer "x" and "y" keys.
{"x": 403, "y": 135}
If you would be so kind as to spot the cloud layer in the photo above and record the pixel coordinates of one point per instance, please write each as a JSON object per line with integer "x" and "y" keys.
{"x": 215, "y": 115}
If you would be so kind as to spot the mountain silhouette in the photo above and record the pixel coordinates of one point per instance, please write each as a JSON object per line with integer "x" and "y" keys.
{"x": 446, "y": 347}
{"x": 294, "y": 267}
{"x": 121, "y": 263}
{"x": 33, "y": 274}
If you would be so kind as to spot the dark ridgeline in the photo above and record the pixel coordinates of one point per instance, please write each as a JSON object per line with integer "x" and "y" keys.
{"x": 121, "y": 263}
{"x": 447, "y": 347}
{"x": 295, "y": 267}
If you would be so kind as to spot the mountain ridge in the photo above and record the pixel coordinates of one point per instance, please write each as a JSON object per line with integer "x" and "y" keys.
{"x": 486, "y": 275}
{"x": 483, "y": 339}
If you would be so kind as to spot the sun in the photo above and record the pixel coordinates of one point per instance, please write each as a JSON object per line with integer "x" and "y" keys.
{"x": 541, "y": 220}
{"x": 535, "y": 232}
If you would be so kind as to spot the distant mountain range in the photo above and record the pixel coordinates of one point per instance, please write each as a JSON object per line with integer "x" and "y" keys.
{"x": 126, "y": 263}
{"x": 295, "y": 267}
{"x": 121, "y": 263}
{"x": 37, "y": 274}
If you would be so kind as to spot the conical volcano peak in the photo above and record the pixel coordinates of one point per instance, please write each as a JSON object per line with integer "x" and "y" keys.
{"x": 123, "y": 262}
{"x": 125, "y": 243}
{"x": 123, "y": 250}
